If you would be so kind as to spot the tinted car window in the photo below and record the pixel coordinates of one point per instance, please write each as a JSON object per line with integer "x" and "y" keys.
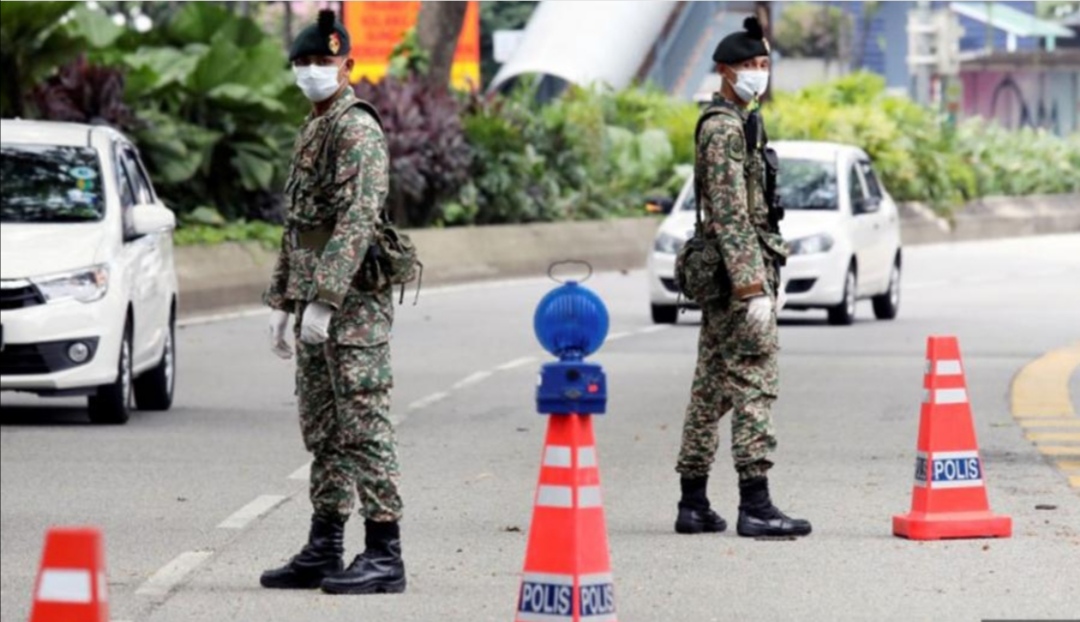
{"x": 855, "y": 188}
{"x": 140, "y": 184}
{"x": 50, "y": 184}
{"x": 870, "y": 177}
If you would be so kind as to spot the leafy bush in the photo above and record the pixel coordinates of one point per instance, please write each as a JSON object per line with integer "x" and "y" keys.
{"x": 218, "y": 111}
{"x": 84, "y": 93}
{"x": 429, "y": 158}
{"x": 920, "y": 156}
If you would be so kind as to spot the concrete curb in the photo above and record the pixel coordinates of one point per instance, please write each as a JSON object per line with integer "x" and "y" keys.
{"x": 230, "y": 276}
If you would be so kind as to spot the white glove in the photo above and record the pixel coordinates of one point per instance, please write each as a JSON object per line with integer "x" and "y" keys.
{"x": 315, "y": 325}
{"x": 279, "y": 323}
{"x": 760, "y": 310}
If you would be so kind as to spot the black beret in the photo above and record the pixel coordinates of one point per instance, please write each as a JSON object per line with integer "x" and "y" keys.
{"x": 327, "y": 37}
{"x": 740, "y": 46}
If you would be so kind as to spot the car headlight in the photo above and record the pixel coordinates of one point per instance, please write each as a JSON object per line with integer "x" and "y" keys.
{"x": 85, "y": 286}
{"x": 811, "y": 245}
{"x": 668, "y": 244}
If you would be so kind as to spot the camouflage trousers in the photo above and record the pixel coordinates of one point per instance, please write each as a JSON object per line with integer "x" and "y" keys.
{"x": 736, "y": 371}
{"x": 344, "y": 395}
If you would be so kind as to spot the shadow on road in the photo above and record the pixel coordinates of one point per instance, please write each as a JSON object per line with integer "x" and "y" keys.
{"x": 44, "y": 415}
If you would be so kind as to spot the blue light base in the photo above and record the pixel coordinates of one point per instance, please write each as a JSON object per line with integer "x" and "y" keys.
{"x": 572, "y": 387}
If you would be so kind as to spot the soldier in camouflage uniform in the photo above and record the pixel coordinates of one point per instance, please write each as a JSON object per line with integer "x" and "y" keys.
{"x": 737, "y": 350}
{"x": 337, "y": 184}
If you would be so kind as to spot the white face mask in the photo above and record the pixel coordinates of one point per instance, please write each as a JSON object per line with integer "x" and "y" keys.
{"x": 319, "y": 83}
{"x": 751, "y": 84}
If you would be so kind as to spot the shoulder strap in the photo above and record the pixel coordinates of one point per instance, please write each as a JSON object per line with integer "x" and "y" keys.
{"x": 367, "y": 107}
{"x": 710, "y": 112}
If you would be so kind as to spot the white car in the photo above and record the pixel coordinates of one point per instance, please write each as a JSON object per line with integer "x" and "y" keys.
{"x": 88, "y": 291}
{"x": 841, "y": 226}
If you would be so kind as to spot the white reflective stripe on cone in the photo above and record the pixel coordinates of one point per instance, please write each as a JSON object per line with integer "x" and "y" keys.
{"x": 65, "y": 586}
{"x": 949, "y": 368}
{"x": 945, "y": 396}
{"x": 586, "y": 457}
{"x": 589, "y": 497}
{"x": 951, "y": 396}
{"x": 555, "y": 497}
{"x": 557, "y": 456}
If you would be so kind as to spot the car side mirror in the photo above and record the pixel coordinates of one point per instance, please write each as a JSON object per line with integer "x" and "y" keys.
{"x": 149, "y": 218}
{"x": 867, "y": 205}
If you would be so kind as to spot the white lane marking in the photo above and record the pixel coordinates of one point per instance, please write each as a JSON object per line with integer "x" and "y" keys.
{"x": 243, "y": 517}
{"x": 652, "y": 329}
{"x": 514, "y": 364}
{"x": 479, "y": 376}
{"x": 222, "y": 317}
{"x": 302, "y": 474}
{"x": 616, "y": 337}
{"x": 429, "y": 400}
{"x": 172, "y": 574}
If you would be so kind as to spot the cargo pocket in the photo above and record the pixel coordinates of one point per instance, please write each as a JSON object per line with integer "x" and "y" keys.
{"x": 364, "y": 369}
{"x": 364, "y": 319}
{"x": 748, "y": 337}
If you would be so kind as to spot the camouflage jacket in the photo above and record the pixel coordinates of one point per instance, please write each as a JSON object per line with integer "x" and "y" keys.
{"x": 733, "y": 200}
{"x": 338, "y": 181}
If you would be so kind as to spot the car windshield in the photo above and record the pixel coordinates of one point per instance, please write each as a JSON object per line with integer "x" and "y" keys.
{"x": 803, "y": 185}
{"x": 808, "y": 184}
{"x": 47, "y": 184}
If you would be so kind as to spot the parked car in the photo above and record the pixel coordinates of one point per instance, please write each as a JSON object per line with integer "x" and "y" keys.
{"x": 88, "y": 291}
{"x": 841, "y": 226}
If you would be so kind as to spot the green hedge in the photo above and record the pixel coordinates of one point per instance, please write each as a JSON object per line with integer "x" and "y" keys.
{"x": 921, "y": 155}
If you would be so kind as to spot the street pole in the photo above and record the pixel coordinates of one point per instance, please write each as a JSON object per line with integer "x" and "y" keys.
{"x": 922, "y": 73}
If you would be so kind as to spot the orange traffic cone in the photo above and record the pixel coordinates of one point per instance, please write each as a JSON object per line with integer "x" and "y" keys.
{"x": 567, "y": 569}
{"x": 949, "y": 496}
{"x": 71, "y": 584}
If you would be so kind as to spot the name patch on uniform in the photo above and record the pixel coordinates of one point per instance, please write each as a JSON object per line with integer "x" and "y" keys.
{"x": 949, "y": 469}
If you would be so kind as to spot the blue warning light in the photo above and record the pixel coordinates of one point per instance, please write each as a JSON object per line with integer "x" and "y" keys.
{"x": 571, "y": 322}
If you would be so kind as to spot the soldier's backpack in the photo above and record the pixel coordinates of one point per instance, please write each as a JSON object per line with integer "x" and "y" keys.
{"x": 700, "y": 272}
{"x": 393, "y": 258}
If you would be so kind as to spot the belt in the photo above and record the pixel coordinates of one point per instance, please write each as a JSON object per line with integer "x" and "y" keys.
{"x": 311, "y": 239}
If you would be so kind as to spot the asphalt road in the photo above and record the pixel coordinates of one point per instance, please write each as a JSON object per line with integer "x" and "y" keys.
{"x": 196, "y": 502}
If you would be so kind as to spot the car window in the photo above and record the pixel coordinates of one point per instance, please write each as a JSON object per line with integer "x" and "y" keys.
{"x": 808, "y": 185}
{"x": 45, "y": 183}
{"x": 870, "y": 177}
{"x": 856, "y": 191}
{"x": 144, "y": 192}
{"x": 123, "y": 182}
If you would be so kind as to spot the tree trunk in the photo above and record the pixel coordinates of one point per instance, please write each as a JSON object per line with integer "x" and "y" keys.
{"x": 763, "y": 11}
{"x": 288, "y": 24}
{"x": 437, "y": 30}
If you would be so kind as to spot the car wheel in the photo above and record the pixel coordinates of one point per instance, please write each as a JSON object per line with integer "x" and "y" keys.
{"x": 665, "y": 314}
{"x": 843, "y": 314}
{"x": 887, "y": 305}
{"x": 154, "y": 389}
{"x": 112, "y": 403}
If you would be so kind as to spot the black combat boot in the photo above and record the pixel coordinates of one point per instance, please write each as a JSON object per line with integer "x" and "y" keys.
{"x": 695, "y": 514}
{"x": 759, "y": 517}
{"x": 320, "y": 558}
{"x": 378, "y": 570}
